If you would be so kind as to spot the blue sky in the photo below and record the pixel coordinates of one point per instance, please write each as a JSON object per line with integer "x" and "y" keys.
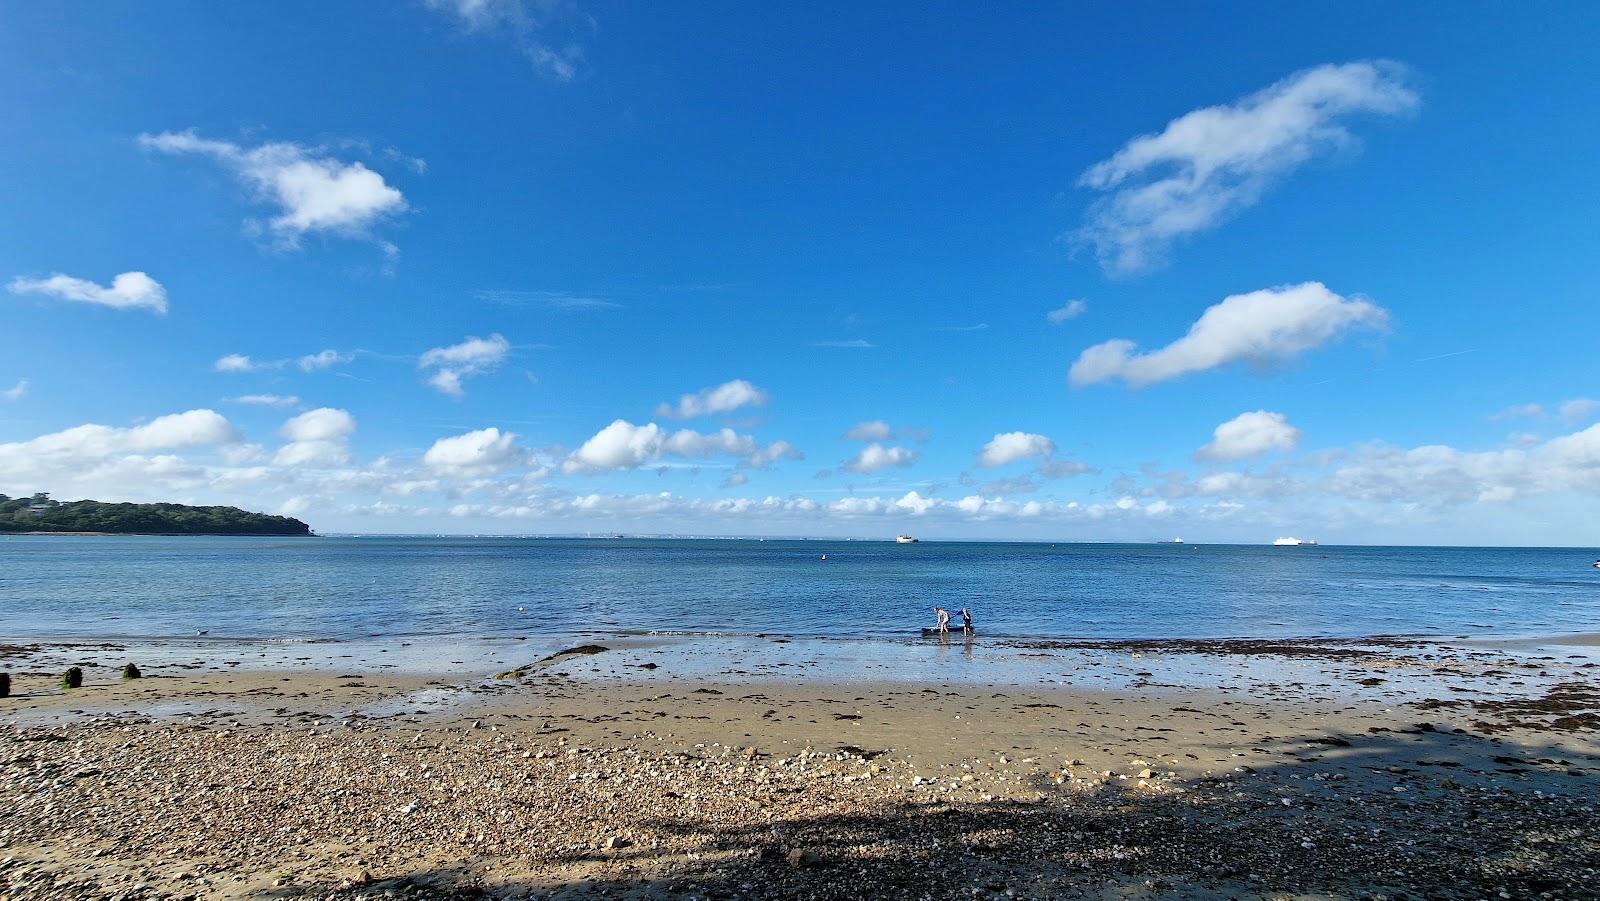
{"x": 301, "y": 258}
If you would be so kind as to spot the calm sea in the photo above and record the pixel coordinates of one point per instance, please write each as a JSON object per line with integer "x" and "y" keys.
{"x": 358, "y": 588}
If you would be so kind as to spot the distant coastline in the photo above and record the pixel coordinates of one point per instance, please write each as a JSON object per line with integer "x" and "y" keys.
{"x": 39, "y": 514}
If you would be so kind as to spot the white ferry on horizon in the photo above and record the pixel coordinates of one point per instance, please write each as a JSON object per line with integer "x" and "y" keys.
{"x": 905, "y": 539}
{"x": 1294, "y": 542}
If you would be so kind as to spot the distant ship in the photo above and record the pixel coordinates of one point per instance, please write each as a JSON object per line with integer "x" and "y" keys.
{"x": 905, "y": 539}
{"x": 1171, "y": 541}
{"x": 1294, "y": 542}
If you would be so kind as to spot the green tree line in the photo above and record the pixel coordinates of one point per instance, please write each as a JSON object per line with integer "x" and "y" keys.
{"x": 41, "y": 513}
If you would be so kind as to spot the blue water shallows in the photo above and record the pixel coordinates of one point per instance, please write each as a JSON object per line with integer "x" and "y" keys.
{"x": 344, "y": 588}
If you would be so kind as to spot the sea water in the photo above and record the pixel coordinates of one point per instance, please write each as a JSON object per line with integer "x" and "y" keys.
{"x": 381, "y": 588}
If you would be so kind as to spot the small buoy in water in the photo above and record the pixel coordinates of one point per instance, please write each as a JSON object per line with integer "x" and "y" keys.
{"x": 825, "y": 556}
{"x": 520, "y": 609}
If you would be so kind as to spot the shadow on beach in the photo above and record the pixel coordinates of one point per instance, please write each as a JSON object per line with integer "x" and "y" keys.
{"x": 1425, "y": 812}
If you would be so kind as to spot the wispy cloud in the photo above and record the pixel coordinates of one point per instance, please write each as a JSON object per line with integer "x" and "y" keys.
{"x": 267, "y": 400}
{"x": 17, "y": 391}
{"x": 530, "y": 26}
{"x": 321, "y": 360}
{"x": 852, "y": 343}
{"x": 1072, "y": 309}
{"x": 558, "y": 300}
{"x": 1209, "y": 164}
{"x": 724, "y": 398}
{"x": 977, "y": 327}
{"x": 456, "y": 362}
{"x": 128, "y": 291}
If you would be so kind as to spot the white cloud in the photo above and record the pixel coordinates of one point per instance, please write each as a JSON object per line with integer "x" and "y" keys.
{"x": 236, "y": 363}
{"x": 1521, "y": 411}
{"x": 1251, "y": 435}
{"x": 724, "y": 398}
{"x": 772, "y": 453}
{"x": 1009, "y": 447}
{"x": 317, "y": 436}
{"x": 623, "y": 445}
{"x": 851, "y": 343}
{"x": 314, "y": 193}
{"x": 1210, "y": 163}
{"x": 128, "y": 291}
{"x": 1072, "y": 310}
{"x": 72, "y": 446}
{"x": 17, "y": 391}
{"x": 527, "y": 25}
{"x": 875, "y": 457}
{"x": 871, "y": 430}
{"x": 1579, "y": 410}
{"x": 620, "y": 445}
{"x": 267, "y": 400}
{"x": 472, "y": 356}
{"x": 1260, "y": 327}
{"x": 325, "y": 359}
{"x": 483, "y": 452}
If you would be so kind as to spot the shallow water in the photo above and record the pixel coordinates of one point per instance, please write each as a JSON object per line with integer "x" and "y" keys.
{"x": 354, "y": 589}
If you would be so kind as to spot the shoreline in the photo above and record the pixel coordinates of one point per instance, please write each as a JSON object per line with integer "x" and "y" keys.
{"x": 679, "y": 769}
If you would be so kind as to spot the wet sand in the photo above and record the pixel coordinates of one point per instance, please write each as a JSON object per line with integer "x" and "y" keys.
{"x": 732, "y": 768}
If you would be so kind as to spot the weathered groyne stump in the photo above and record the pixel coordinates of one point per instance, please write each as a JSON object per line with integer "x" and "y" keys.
{"x": 5, "y": 685}
{"x": 131, "y": 672}
{"x": 72, "y": 678}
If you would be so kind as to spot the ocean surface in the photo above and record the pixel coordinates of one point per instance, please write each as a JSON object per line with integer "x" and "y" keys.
{"x": 360, "y": 589}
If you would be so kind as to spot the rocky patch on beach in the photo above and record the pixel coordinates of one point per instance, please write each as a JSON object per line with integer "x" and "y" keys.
{"x": 348, "y": 810}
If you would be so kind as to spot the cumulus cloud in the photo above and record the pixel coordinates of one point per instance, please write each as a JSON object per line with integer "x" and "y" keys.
{"x": 724, "y": 398}
{"x": 620, "y": 445}
{"x": 128, "y": 291}
{"x": 177, "y": 430}
{"x": 1071, "y": 310}
{"x": 456, "y": 362}
{"x": 1210, "y": 163}
{"x": 1250, "y": 435}
{"x": 527, "y": 25}
{"x": 1009, "y": 447}
{"x": 1260, "y": 327}
{"x": 319, "y": 436}
{"x": 483, "y": 452}
{"x": 267, "y": 400}
{"x": 313, "y": 192}
{"x": 876, "y": 457}
{"x": 623, "y": 445}
{"x": 871, "y": 430}
{"x": 17, "y": 391}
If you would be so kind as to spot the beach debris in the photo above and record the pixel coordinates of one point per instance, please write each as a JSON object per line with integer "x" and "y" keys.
{"x": 618, "y": 842}
{"x": 131, "y": 672}
{"x": 72, "y": 678}
{"x": 5, "y": 685}
{"x": 799, "y": 858}
{"x": 582, "y": 650}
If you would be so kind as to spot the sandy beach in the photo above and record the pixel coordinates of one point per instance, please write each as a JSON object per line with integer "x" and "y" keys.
{"x": 1126, "y": 769}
